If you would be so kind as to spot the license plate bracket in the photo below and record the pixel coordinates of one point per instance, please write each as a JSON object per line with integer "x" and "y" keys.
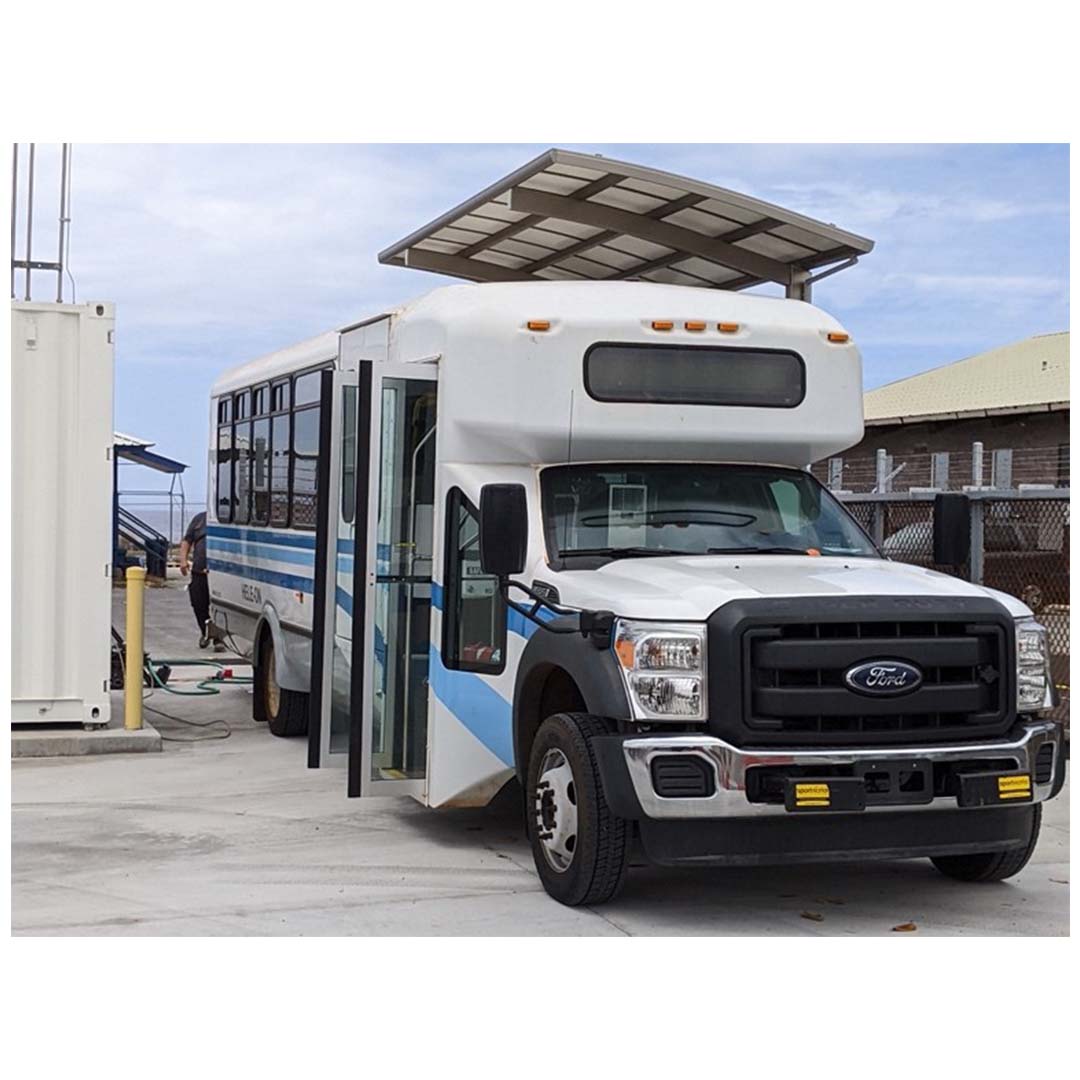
{"x": 900, "y": 782}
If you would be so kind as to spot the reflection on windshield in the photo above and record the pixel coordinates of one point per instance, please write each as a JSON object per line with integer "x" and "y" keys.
{"x": 637, "y": 510}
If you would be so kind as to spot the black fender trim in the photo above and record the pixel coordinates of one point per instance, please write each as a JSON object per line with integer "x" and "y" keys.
{"x": 615, "y": 777}
{"x": 594, "y": 671}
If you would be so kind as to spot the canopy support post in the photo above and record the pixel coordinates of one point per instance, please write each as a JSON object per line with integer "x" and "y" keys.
{"x": 800, "y": 286}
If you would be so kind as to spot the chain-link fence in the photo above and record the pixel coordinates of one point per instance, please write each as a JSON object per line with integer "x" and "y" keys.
{"x": 1019, "y": 544}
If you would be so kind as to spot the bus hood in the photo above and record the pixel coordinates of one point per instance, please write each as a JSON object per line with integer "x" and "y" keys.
{"x": 693, "y": 587}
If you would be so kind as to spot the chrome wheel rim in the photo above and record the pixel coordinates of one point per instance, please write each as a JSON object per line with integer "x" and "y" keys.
{"x": 555, "y": 810}
{"x": 273, "y": 691}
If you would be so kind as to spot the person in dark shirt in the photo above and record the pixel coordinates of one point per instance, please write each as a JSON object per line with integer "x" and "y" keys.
{"x": 193, "y": 561}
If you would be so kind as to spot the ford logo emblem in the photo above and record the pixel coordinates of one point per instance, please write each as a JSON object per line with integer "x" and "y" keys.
{"x": 881, "y": 678}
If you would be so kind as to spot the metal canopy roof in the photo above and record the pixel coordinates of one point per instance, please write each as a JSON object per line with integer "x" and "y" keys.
{"x": 132, "y": 448}
{"x": 567, "y": 216}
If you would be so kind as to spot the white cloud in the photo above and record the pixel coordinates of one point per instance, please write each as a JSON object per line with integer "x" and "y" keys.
{"x": 978, "y": 284}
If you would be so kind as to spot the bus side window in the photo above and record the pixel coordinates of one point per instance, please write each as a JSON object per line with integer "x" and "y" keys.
{"x": 474, "y": 615}
{"x": 224, "y": 473}
{"x": 260, "y": 472}
{"x": 242, "y": 472}
{"x": 279, "y": 470}
{"x": 305, "y": 465}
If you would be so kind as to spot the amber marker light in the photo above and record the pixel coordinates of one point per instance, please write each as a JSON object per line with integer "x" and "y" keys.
{"x": 838, "y": 338}
{"x": 697, "y": 327}
{"x": 728, "y": 327}
{"x": 624, "y": 649}
{"x": 538, "y": 324}
{"x": 663, "y": 324}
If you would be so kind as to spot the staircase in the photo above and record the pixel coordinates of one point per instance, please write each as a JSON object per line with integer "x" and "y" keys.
{"x": 143, "y": 536}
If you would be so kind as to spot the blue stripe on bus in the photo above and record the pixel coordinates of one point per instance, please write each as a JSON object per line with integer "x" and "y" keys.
{"x": 263, "y": 536}
{"x": 269, "y": 577}
{"x": 305, "y": 540}
{"x": 262, "y": 551}
{"x": 516, "y": 622}
{"x": 345, "y": 602}
{"x": 483, "y": 711}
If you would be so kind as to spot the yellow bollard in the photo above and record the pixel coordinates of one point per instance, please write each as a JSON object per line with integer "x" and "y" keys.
{"x": 133, "y": 660}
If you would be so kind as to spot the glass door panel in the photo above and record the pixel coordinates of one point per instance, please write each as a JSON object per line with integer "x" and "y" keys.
{"x": 342, "y": 560}
{"x": 398, "y": 609}
{"x": 335, "y": 587}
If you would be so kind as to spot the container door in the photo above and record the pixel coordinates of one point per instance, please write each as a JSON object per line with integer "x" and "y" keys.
{"x": 336, "y": 568}
{"x": 392, "y": 601}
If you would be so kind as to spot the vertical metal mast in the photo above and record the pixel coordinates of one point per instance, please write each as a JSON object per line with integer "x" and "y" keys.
{"x": 65, "y": 194}
{"x": 14, "y": 204}
{"x": 29, "y": 218}
{"x": 28, "y": 264}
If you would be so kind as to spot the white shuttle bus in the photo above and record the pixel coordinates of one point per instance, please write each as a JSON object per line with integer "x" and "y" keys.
{"x": 559, "y": 529}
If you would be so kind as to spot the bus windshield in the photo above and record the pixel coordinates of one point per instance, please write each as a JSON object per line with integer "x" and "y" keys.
{"x": 596, "y": 513}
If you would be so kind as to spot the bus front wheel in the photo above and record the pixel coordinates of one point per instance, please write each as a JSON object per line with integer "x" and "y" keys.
{"x": 581, "y": 849}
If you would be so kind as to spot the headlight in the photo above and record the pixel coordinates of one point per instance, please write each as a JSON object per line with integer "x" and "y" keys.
{"x": 663, "y": 667}
{"x": 1034, "y": 687}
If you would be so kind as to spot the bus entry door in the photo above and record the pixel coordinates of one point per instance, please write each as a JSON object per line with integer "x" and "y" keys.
{"x": 388, "y": 741}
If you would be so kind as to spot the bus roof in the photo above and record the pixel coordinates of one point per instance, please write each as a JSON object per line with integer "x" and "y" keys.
{"x": 310, "y": 353}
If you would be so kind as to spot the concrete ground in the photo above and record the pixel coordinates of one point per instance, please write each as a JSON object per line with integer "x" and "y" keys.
{"x": 235, "y": 836}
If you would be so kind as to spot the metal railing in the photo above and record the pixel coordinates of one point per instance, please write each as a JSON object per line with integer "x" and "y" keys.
{"x": 1019, "y": 545}
{"x": 139, "y": 534}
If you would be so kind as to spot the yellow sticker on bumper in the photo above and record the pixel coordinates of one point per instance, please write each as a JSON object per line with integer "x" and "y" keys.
{"x": 1014, "y": 787}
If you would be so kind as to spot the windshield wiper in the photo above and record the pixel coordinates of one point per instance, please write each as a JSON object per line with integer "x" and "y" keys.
{"x": 757, "y": 551}
{"x": 627, "y": 552}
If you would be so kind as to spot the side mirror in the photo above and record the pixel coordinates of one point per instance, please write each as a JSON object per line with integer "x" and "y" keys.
{"x": 952, "y": 529}
{"x": 504, "y": 529}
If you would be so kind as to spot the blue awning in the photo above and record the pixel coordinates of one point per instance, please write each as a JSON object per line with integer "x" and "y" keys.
{"x": 141, "y": 456}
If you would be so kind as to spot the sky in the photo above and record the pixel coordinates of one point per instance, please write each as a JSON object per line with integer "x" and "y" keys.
{"x": 217, "y": 254}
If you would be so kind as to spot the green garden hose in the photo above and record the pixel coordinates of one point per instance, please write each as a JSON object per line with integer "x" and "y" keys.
{"x": 210, "y": 685}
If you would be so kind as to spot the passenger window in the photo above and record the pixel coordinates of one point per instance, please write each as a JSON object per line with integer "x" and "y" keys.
{"x": 474, "y": 615}
{"x": 280, "y": 456}
{"x": 259, "y": 400}
{"x": 307, "y": 389}
{"x": 242, "y": 473}
{"x": 279, "y": 397}
{"x": 260, "y": 472}
{"x": 305, "y": 467}
{"x": 224, "y": 474}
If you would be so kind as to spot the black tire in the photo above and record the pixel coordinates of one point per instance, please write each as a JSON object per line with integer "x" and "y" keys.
{"x": 284, "y": 711}
{"x": 601, "y": 843}
{"x": 991, "y": 865}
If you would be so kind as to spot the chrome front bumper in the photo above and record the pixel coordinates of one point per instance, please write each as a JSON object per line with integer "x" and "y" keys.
{"x": 730, "y": 766}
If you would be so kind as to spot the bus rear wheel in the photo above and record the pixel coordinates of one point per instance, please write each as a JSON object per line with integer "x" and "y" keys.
{"x": 284, "y": 711}
{"x": 581, "y": 849}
